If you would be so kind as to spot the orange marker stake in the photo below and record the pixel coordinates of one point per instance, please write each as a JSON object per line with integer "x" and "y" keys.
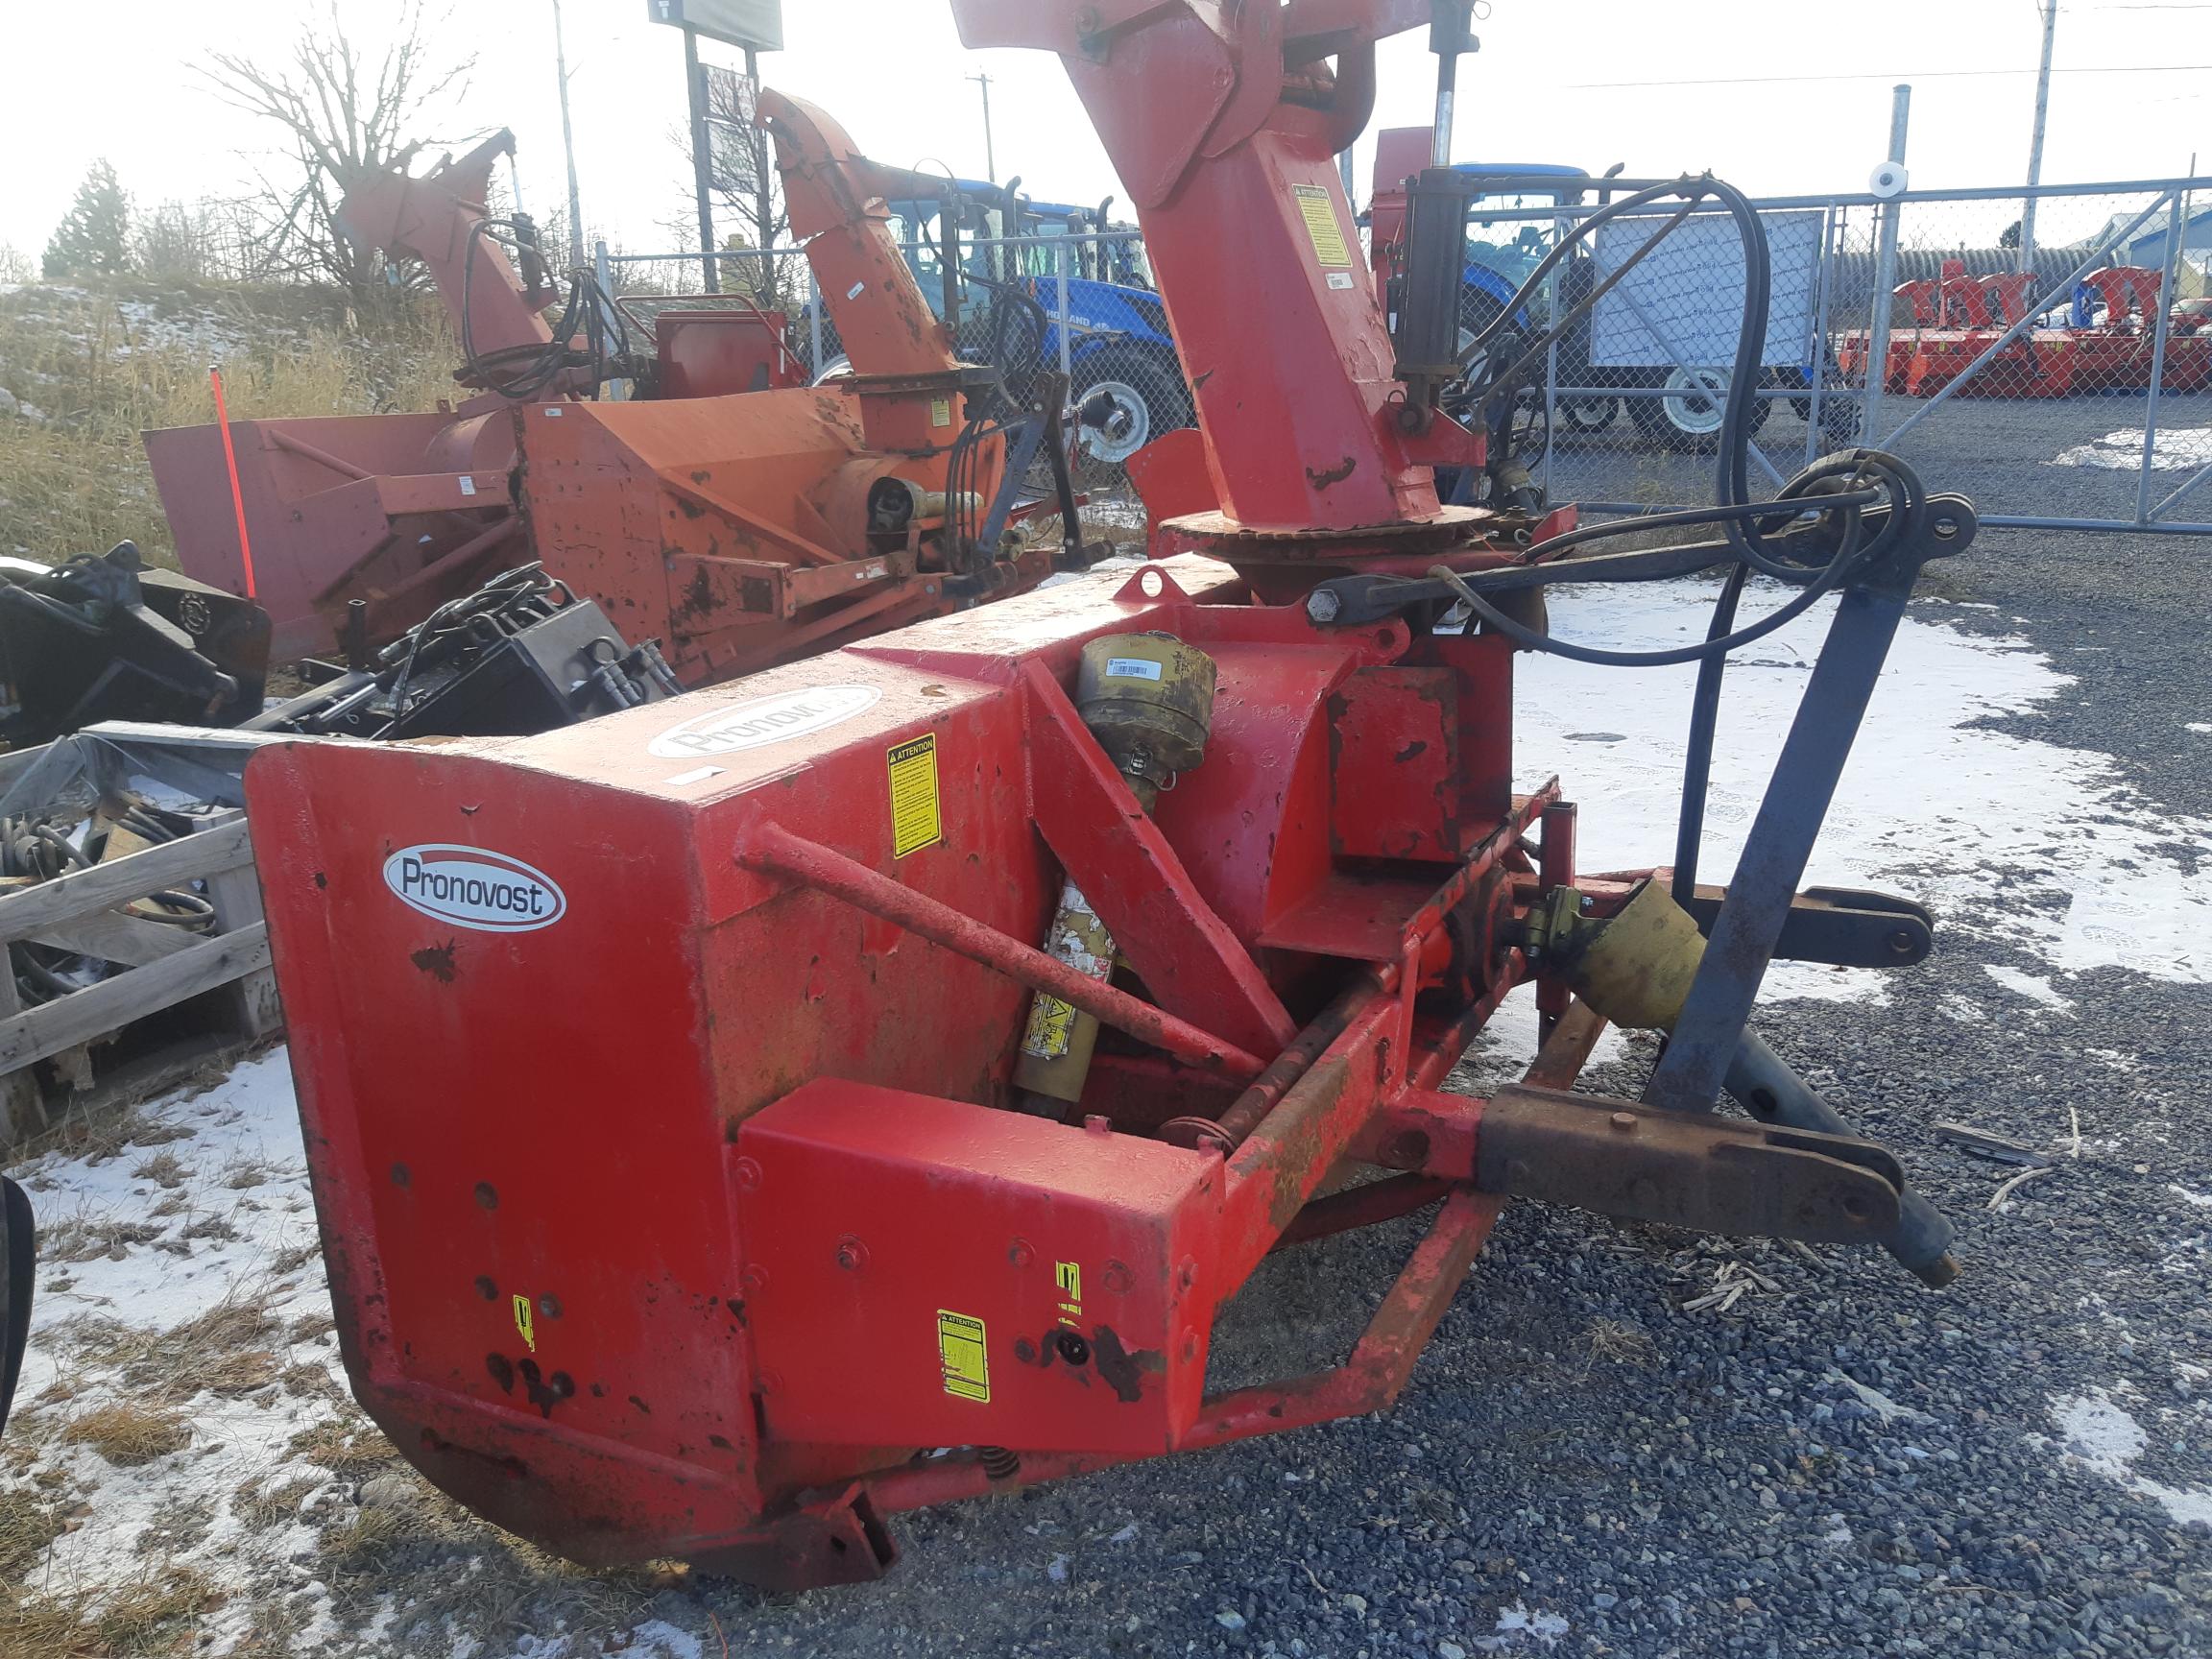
{"x": 230, "y": 460}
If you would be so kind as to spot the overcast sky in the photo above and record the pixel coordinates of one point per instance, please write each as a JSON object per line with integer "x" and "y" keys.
{"x": 1775, "y": 95}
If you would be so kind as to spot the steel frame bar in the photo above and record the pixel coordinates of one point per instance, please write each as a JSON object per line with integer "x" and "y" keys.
{"x": 1111, "y": 848}
{"x": 1705, "y": 1037}
{"x": 774, "y": 851}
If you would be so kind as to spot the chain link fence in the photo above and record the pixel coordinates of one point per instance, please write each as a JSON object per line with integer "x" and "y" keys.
{"x": 2054, "y": 362}
{"x": 2049, "y": 354}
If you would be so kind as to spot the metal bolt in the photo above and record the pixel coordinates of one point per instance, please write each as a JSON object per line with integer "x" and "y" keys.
{"x": 754, "y": 1280}
{"x": 1020, "y": 1253}
{"x": 549, "y": 1306}
{"x": 1624, "y": 1121}
{"x": 747, "y": 1175}
{"x": 851, "y": 1253}
{"x": 1322, "y": 605}
{"x": 1116, "y": 1277}
{"x": 1585, "y": 903}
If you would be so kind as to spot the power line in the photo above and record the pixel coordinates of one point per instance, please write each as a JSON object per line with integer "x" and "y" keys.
{"x": 1897, "y": 75}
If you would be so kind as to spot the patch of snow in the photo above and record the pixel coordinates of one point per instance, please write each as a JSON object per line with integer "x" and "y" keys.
{"x": 1519, "y": 1629}
{"x": 2202, "y": 1199}
{"x": 2008, "y": 836}
{"x": 2100, "y": 1434}
{"x": 1885, "y": 1408}
{"x": 2177, "y": 448}
{"x": 658, "y": 1639}
{"x": 2028, "y": 986}
{"x": 2198, "y": 726}
{"x": 240, "y": 1231}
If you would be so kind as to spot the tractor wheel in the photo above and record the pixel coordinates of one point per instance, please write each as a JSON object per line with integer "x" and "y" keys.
{"x": 1586, "y": 417}
{"x": 1690, "y": 416}
{"x": 1123, "y": 400}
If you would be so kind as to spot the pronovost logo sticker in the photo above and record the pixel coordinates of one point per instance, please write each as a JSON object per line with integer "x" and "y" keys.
{"x": 474, "y": 887}
{"x": 760, "y": 721}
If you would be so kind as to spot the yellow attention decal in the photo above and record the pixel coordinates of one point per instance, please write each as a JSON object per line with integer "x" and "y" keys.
{"x": 961, "y": 1356}
{"x": 1050, "y": 1023}
{"x": 940, "y": 411}
{"x": 916, "y": 822}
{"x": 524, "y": 1324}
{"x": 1323, "y": 226}
{"x": 1069, "y": 1277}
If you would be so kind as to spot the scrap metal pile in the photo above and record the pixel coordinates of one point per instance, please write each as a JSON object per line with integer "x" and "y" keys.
{"x": 862, "y": 1086}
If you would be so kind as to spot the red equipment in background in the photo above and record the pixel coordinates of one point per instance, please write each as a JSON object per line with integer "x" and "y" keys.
{"x": 732, "y": 511}
{"x": 1958, "y": 316}
{"x": 746, "y": 1141}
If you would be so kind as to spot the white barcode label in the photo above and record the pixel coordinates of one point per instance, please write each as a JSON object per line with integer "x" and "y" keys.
{"x": 1131, "y": 668}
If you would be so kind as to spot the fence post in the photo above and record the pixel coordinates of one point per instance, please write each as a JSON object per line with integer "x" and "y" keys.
{"x": 1060, "y": 278}
{"x": 814, "y": 322}
{"x": 2168, "y": 277}
{"x": 1885, "y": 276}
{"x": 1831, "y": 223}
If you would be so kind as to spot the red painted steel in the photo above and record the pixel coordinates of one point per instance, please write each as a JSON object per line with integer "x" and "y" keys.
{"x": 1224, "y": 123}
{"x": 656, "y": 1073}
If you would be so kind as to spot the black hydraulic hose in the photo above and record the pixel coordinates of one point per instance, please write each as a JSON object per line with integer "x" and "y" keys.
{"x": 1697, "y": 752}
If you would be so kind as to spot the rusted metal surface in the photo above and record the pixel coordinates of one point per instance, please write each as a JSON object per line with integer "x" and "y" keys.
{"x": 678, "y": 514}
{"x": 1687, "y": 1170}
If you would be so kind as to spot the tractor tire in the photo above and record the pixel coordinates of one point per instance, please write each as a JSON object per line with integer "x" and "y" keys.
{"x": 1690, "y": 417}
{"x": 1124, "y": 398}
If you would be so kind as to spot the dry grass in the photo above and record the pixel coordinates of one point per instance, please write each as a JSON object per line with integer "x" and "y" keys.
{"x": 1621, "y": 1345}
{"x": 29, "y": 1521}
{"x": 128, "y": 1433}
{"x": 158, "y": 1613}
{"x": 349, "y": 1446}
{"x": 80, "y": 483}
{"x": 259, "y": 1506}
{"x": 165, "y": 1170}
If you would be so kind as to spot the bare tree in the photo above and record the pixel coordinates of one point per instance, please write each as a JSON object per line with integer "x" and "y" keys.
{"x": 747, "y": 195}
{"x": 345, "y": 119}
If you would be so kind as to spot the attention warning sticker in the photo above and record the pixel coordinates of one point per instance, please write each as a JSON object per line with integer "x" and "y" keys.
{"x": 961, "y": 1356}
{"x": 1323, "y": 226}
{"x": 916, "y": 821}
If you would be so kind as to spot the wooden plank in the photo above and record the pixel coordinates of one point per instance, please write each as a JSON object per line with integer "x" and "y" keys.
{"x": 112, "y": 936}
{"x": 236, "y": 895}
{"x": 99, "y": 1009}
{"x": 22, "y": 1107}
{"x": 82, "y": 892}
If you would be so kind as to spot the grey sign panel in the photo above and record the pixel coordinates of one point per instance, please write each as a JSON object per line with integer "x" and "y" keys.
{"x": 1684, "y": 301}
{"x": 755, "y": 23}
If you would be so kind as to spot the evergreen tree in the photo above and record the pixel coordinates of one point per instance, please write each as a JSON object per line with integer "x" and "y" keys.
{"x": 94, "y": 237}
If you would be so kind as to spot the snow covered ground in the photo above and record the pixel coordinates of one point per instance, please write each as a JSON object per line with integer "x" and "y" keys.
{"x": 183, "y": 1453}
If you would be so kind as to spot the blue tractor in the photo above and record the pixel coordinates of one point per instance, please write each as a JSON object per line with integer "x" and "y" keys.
{"x": 1005, "y": 302}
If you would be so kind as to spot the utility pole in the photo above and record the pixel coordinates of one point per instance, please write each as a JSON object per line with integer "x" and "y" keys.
{"x": 990, "y": 160}
{"x": 695, "y": 79}
{"x": 568, "y": 144}
{"x": 764, "y": 212}
{"x": 2050, "y": 10}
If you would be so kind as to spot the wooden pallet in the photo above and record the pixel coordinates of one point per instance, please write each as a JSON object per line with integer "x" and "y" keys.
{"x": 165, "y": 966}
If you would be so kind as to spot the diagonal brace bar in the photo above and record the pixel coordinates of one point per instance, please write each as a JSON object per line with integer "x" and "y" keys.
{"x": 1689, "y": 1075}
